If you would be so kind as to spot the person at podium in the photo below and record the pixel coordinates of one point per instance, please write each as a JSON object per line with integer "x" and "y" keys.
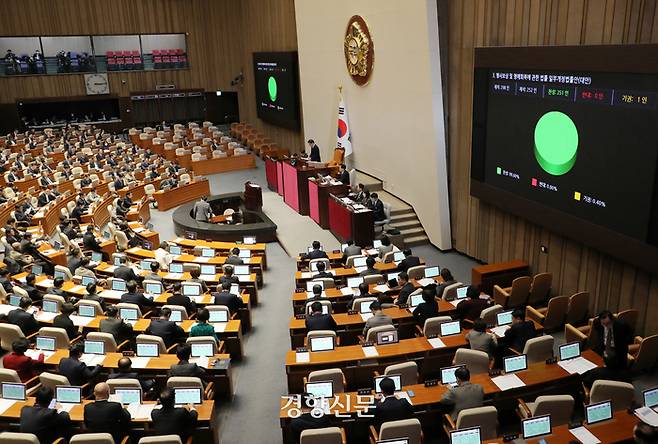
{"x": 344, "y": 176}
{"x": 202, "y": 211}
{"x": 314, "y": 155}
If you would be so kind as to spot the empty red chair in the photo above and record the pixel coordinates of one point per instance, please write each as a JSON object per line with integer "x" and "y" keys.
{"x": 111, "y": 64}
{"x": 156, "y": 52}
{"x": 109, "y": 54}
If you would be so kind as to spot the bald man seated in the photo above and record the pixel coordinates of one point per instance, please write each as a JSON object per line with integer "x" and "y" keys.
{"x": 103, "y": 416}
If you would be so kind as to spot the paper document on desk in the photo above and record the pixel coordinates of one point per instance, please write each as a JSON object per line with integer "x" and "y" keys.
{"x": 5, "y": 404}
{"x": 456, "y": 302}
{"x": 302, "y": 358}
{"x": 80, "y": 321}
{"x": 577, "y": 365}
{"x": 382, "y": 288}
{"x": 44, "y": 316}
{"x": 208, "y": 277}
{"x": 34, "y": 354}
{"x": 201, "y": 259}
{"x": 246, "y": 260}
{"x": 404, "y": 395}
{"x": 370, "y": 352}
{"x": 65, "y": 407}
{"x": 138, "y": 229}
{"x": 500, "y": 330}
{"x": 134, "y": 249}
{"x": 366, "y": 316}
{"x": 424, "y": 282}
{"x": 436, "y": 343}
{"x": 174, "y": 276}
{"x": 198, "y": 299}
{"x": 201, "y": 361}
{"x": 360, "y": 269}
{"x": 111, "y": 294}
{"x": 647, "y": 415}
{"x": 507, "y": 382}
{"x": 140, "y": 411}
{"x": 46, "y": 283}
{"x": 76, "y": 289}
{"x": 22, "y": 280}
{"x": 220, "y": 327}
{"x": 140, "y": 361}
{"x": 346, "y": 291}
{"x": 91, "y": 359}
{"x": 584, "y": 436}
{"x": 6, "y": 308}
{"x": 306, "y": 275}
{"x": 49, "y": 252}
{"x": 372, "y": 252}
{"x": 110, "y": 269}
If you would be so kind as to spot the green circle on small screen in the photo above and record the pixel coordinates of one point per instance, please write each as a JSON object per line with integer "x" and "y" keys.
{"x": 272, "y": 88}
{"x": 556, "y": 143}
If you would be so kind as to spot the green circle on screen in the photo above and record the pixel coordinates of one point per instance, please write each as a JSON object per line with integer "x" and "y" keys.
{"x": 556, "y": 143}
{"x": 272, "y": 88}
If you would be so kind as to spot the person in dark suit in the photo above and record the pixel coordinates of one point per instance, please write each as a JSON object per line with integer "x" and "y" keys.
{"x": 22, "y": 318}
{"x": 229, "y": 277}
{"x": 77, "y": 212}
{"x": 316, "y": 252}
{"x": 409, "y": 261}
{"x": 448, "y": 280}
{"x": 370, "y": 267}
{"x": 166, "y": 329}
{"x": 321, "y": 266}
{"x": 16, "y": 360}
{"x": 183, "y": 367}
{"x": 125, "y": 371}
{"x": 429, "y": 308}
{"x": 377, "y": 208}
{"x": 314, "y": 155}
{"x": 135, "y": 297}
{"x": 195, "y": 274}
{"x": 234, "y": 258}
{"x": 45, "y": 197}
{"x": 57, "y": 288}
{"x": 364, "y": 292}
{"x": 306, "y": 421}
{"x": 389, "y": 407}
{"x": 76, "y": 371}
{"x": 31, "y": 288}
{"x": 516, "y": 336}
{"x": 123, "y": 271}
{"x": 74, "y": 260}
{"x": 471, "y": 307}
{"x": 115, "y": 325}
{"x": 153, "y": 274}
{"x": 89, "y": 241}
{"x": 63, "y": 320}
{"x": 4, "y": 280}
{"x": 344, "y": 176}
{"x": 406, "y": 288}
{"x": 103, "y": 416}
{"x": 316, "y": 320}
{"x": 42, "y": 421}
{"x": 177, "y": 298}
{"x": 612, "y": 338}
{"x": 92, "y": 295}
{"x": 224, "y": 297}
{"x": 170, "y": 420}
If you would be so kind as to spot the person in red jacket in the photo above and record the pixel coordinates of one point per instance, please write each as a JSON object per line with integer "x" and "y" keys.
{"x": 24, "y": 365}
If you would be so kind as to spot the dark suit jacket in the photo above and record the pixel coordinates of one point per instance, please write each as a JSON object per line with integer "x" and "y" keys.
{"x": 344, "y": 177}
{"x": 181, "y": 299}
{"x": 234, "y": 260}
{"x": 378, "y": 211}
{"x": 107, "y": 417}
{"x": 443, "y": 286}
{"x": 174, "y": 421}
{"x": 33, "y": 293}
{"x": 232, "y": 301}
{"x": 408, "y": 262}
{"x": 186, "y": 369}
{"x": 622, "y": 335}
{"x": 324, "y": 274}
{"x": 320, "y": 322}
{"x": 424, "y": 311}
{"x": 315, "y": 153}
{"x": 518, "y": 334}
{"x": 125, "y": 273}
{"x": 316, "y": 254}
{"x": 62, "y": 321}
{"x": 405, "y": 291}
{"x": 89, "y": 242}
{"x": 76, "y": 371}
{"x": 136, "y": 298}
{"x": 24, "y": 320}
{"x": 131, "y": 375}
{"x": 471, "y": 308}
{"x": 392, "y": 409}
{"x": 307, "y": 422}
{"x": 233, "y": 279}
{"x": 167, "y": 330}
{"x": 46, "y": 423}
{"x": 117, "y": 328}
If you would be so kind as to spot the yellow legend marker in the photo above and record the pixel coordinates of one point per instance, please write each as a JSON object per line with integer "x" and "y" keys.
{"x": 576, "y": 195}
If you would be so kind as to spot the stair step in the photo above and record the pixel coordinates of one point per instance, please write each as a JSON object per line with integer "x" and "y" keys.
{"x": 414, "y": 231}
{"x": 400, "y": 218}
{"x": 415, "y": 241}
{"x": 402, "y": 211}
{"x": 406, "y": 225}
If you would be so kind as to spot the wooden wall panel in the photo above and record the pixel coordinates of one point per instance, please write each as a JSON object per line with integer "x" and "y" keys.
{"x": 486, "y": 233}
{"x": 222, "y": 34}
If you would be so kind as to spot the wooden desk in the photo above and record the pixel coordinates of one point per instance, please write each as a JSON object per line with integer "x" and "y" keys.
{"x": 49, "y": 219}
{"x": 347, "y": 224}
{"x": 500, "y": 273}
{"x": 144, "y": 233}
{"x": 223, "y": 164}
{"x": 258, "y": 249}
{"x": 342, "y": 273}
{"x": 182, "y": 194}
{"x": 318, "y": 196}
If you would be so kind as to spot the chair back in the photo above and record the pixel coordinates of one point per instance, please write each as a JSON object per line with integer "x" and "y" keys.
{"x": 475, "y": 360}
{"x": 405, "y": 428}
{"x": 356, "y": 304}
{"x": 184, "y": 381}
{"x": 327, "y": 435}
{"x": 417, "y": 272}
{"x": 560, "y": 407}
{"x": 388, "y": 257}
{"x": 203, "y": 340}
{"x": 630, "y": 317}
{"x": 488, "y": 315}
{"x": 335, "y": 375}
{"x": 180, "y": 308}
{"x": 220, "y": 308}
{"x": 450, "y": 292}
{"x": 432, "y": 325}
{"x": 327, "y": 265}
{"x": 539, "y": 349}
{"x": 540, "y": 289}
{"x": 408, "y": 372}
{"x": 8, "y": 334}
{"x": 621, "y": 394}
{"x": 121, "y": 305}
{"x": 20, "y": 291}
{"x": 372, "y": 333}
{"x": 352, "y": 174}
{"x": 121, "y": 240}
{"x": 327, "y": 282}
{"x": 484, "y": 417}
{"x": 578, "y": 308}
{"x": 324, "y": 303}
{"x": 349, "y": 263}
{"x": 92, "y": 438}
{"x": 61, "y": 337}
{"x": 374, "y": 279}
{"x": 520, "y": 291}
{"x": 647, "y": 355}
{"x": 163, "y": 439}
{"x": 52, "y": 380}
{"x": 8, "y": 375}
{"x": 97, "y": 305}
{"x": 107, "y": 338}
{"x": 152, "y": 339}
{"x": 18, "y": 438}
{"x": 320, "y": 333}
{"x": 556, "y": 313}
{"x": 116, "y": 383}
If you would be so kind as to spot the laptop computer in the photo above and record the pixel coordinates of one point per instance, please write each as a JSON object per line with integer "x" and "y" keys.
{"x": 86, "y": 280}
{"x": 537, "y": 426}
{"x": 513, "y": 364}
{"x": 14, "y": 391}
{"x": 387, "y": 337}
{"x": 45, "y": 343}
{"x": 309, "y": 249}
{"x": 128, "y": 314}
{"x": 207, "y": 252}
{"x": 176, "y": 267}
{"x": 175, "y": 250}
{"x": 118, "y": 285}
{"x": 94, "y": 347}
{"x": 450, "y": 328}
{"x": 397, "y": 380}
{"x": 364, "y": 307}
{"x": 650, "y": 397}
{"x": 569, "y": 351}
{"x": 147, "y": 350}
{"x": 235, "y": 289}
{"x": 191, "y": 289}
{"x": 320, "y": 389}
{"x": 398, "y": 256}
{"x": 50, "y": 306}
{"x": 392, "y": 279}
{"x": 145, "y": 265}
{"x": 208, "y": 270}
{"x": 600, "y": 411}
{"x": 431, "y": 272}
{"x": 154, "y": 288}
{"x": 249, "y": 240}
{"x": 359, "y": 262}
{"x": 244, "y": 254}
{"x": 448, "y": 375}
{"x": 117, "y": 261}
{"x": 202, "y": 349}
{"x": 241, "y": 270}
{"x": 176, "y": 316}
{"x": 187, "y": 395}
{"x": 504, "y": 318}
{"x": 59, "y": 274}
{"x": 37, "y": 269}
{"x": 461, "y": 293}
{"x": 66, "y": 394}
{"x": 86, "y": 310}
{"x": 147, "y": 245}
{"x": 14, "y": 300}
{"x": 128, "y": 395}
{"x": 218, "y": 316}
{"x": 321, "y": 343}
{"x": 354, "y": 282}
{"x": 415, "y": 300}
{"x": 470, "y": 435}
{"x": 97, "y": 257}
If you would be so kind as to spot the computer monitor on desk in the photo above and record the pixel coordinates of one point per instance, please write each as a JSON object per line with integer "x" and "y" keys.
{"x": 148, "y": 349}
{"x": 68, "y": 394}
{"x": 513, "y": 364}
{"x": 600, "y": 411}
{"x": 397, "y": 380}
{"x": 537, "y": 426}
{"x": 185, "y": 395}
{"x": 466, "y": 436}
{"x": 13, "y": 391}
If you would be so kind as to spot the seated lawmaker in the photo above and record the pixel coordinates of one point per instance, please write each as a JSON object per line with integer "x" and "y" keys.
{"x": 370, "y": 267}
{"x": 228, "y": 276}
{"x": 409, "y": 261}
{"x": 116, "y": 326}
{"x": 388, "y": 407}
{"x": 18, "y": 361}
{"x": 202, "y": 327}
{"x": 377, "y": 208}
{"x": 224, "y": 297}
{"x": 132, "y": 296}
{"x": 378, "y": 318}
{"x": 316, "y": 252}
{"x": 471, "y": 307}
{"x": 344, "y": 175}
{"x": 23, "y": 318}
{"x": 169, "y": 331}
{"x": 481, "y": 340}
{"x": 104, "y": 416}
{"x": 317, "y": 320}
{"x": 308, "y": 421}
{"x": 75, "y": 370}
{"x": 125, "y": 371}
{"x": 63, "y": 320}
{"x": 44, "y": 422}
{"x": 172, "y": 420}
{"x": 429, "y": 308}
{"x": 178, "y": 298}
{"x": 406, "y": 288}
{"x": 234, "y": 257}
{"x": 184, "y": 367}
{"x": 321, "y": 266}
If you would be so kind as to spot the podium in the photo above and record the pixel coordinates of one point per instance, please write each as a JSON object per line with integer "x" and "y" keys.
{"x": 295, "y": 180}
{"x": 318, "y": 199}
{"x": 271, "y": 173}
{"x": 346, "y": 223}
{"x": 253, "y": 196}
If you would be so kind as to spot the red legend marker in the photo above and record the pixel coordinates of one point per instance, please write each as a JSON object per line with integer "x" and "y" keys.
{"x": 534, "y": 182}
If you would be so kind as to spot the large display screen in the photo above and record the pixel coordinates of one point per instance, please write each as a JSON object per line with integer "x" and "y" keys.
{"x": 572, "y": 149}
{"x": 277, "y": 88}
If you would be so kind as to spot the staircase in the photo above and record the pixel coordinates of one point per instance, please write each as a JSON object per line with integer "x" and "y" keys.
{"x": 403, "y": 216}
